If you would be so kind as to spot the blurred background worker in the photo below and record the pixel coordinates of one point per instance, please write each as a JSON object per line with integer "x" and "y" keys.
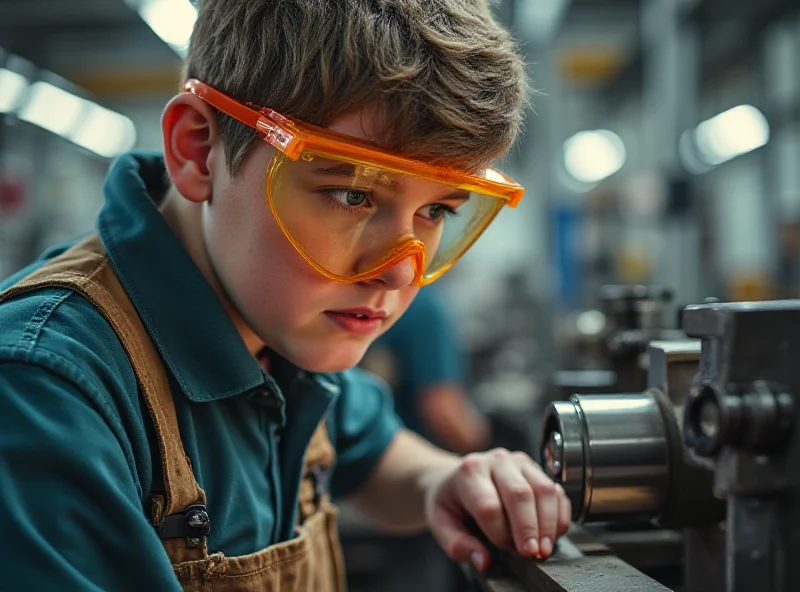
{"x": 422, "y": 358}
{"x": 423, "y": 361}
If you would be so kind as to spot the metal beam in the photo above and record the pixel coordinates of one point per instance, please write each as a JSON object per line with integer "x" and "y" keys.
{"x": 33, "y": 13}
{"x": 570, "y": 569}
{"x": 581, "y": 574}
{"x": 600, "y": 15}
{"x": 713, "y": 12}
{"x": 80, "y": 50}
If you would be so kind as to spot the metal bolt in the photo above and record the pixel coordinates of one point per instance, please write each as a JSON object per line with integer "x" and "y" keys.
{"x": 198, "y": 519}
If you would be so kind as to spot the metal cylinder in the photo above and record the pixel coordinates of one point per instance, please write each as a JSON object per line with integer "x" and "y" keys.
{"x": 610, "y": 453}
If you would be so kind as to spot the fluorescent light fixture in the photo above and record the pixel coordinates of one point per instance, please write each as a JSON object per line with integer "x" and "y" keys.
{"x": 591, "y": 156}
{"x": 172, "y": 20}
{"x": 730, "y": 134}
{"x": 105, "y": 132}
{"x": 52, "y": 108}
{"x": 12, "y": 90}
{"x": 83, "y": 122}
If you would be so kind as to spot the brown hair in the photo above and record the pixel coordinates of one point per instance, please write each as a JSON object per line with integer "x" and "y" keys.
{"x": 445, "y": 73}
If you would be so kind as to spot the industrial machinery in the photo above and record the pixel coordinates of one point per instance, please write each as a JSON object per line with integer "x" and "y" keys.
{"x": 607, "y": 346}
{"x": 711, "y": 448}
{"x": 634, "y": 317}
{"x": 620, "y": 457}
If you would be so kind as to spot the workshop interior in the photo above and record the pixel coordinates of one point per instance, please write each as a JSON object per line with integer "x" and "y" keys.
{"x": 633, "y": 325}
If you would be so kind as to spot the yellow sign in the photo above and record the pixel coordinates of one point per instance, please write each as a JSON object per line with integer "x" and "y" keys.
{"x": 129, "y": 83}
{"x": 590, "y": 65}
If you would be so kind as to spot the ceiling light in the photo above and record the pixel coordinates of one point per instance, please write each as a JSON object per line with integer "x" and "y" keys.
{"x": 52, "y": 108}
{"x": 730, "y": 134}
{"x": 12, "y": 90}
{"x": 591, "y": 156}
{"x": 105, "y": 132}
{"x": 172, "y": 20}
{"x": 79, "y": 120}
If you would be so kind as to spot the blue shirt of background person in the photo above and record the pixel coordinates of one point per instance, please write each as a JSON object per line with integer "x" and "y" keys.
{"x": 421, "y": 357}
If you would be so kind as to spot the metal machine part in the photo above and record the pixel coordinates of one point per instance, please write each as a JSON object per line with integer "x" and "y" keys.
{"x": 620, "y": 456}
{"x": 635, "y": 315}
{"x": 622, "y": 469}
{"x": 611, "y": 343}
{"x": 635, "y": 307}
{"x": 672, "y": 367}
{"x": 579, "y": 563}
{"x": 741, "y": 419}
{"x": 757, "y": 418}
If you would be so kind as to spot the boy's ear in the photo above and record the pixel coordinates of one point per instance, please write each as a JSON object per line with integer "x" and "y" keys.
{"x": 191, "y": 144}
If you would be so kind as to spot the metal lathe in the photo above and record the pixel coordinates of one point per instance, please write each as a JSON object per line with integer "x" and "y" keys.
{"x": 692, "y": 484}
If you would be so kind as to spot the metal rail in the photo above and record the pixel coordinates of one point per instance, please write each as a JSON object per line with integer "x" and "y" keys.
{"x": 580, "y": 563}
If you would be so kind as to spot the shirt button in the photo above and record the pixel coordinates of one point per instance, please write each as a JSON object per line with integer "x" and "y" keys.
{"x": 266, "y": 398}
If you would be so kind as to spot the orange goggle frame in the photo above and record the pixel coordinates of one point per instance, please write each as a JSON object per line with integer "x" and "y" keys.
{"x": 293, "y": 138}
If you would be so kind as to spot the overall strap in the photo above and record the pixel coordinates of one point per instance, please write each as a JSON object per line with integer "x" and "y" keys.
{"x": 86, "y": 269}
{"x": 314, "y": 487}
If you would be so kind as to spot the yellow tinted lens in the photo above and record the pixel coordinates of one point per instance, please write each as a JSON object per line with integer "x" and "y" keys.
{"x": 461, "y": 229}
{"x": 347, "y": 218}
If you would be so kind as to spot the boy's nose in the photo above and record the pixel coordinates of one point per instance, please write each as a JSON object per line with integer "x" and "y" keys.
{"x": 399, "y": 275}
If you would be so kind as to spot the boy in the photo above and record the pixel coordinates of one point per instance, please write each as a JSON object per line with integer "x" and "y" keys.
{"x": 176, "y": 390}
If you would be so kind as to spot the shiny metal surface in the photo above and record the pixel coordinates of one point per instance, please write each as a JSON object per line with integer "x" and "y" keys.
{"x": 554, "y": 453}
{"x": 563, "y": 449}
{"x": 610, "y": 453}
{"x": 628, "y": 473}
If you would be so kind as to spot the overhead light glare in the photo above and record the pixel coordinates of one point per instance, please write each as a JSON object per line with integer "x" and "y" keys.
{"x": 172, "y": 20}
{"x": 105, "y": 132}
{"x": 52, "y": 108}
{"x": 730, "y": 134}
{"x": 593, "y": 155}
{"x": 78, "y": 120}
{"x": 12, "y": 90}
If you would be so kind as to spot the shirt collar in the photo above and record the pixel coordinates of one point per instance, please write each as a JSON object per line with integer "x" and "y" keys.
{"x": 183, "y": 315}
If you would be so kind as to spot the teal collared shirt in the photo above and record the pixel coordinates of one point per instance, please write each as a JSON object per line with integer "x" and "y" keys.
{"x": 78, "y": 458}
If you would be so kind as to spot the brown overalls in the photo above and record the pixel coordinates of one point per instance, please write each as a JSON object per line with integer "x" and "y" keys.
{"x": 311, "y": 562}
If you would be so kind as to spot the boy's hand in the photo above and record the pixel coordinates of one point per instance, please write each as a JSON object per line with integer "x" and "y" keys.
{"x": 510, "y": 498}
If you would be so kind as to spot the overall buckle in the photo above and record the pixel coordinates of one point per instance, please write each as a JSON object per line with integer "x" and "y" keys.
{"x": 193, "y": 524}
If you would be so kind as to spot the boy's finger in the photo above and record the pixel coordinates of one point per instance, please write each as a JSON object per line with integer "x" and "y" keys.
{"x": 457, "y": 543}
{"x": 516, "y": 494}
{"x": 480, "y": 498}
{"x": 564, "y": 511}
{"x": 547, "y": 508}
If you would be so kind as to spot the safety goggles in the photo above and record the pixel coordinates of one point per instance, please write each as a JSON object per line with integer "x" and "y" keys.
{"x": 353, "y": 210}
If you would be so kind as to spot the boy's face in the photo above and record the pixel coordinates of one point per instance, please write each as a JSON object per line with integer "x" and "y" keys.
{"x": 304, "y": 316}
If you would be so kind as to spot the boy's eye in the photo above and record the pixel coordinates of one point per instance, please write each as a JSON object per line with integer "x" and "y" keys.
{"x": 438, "y": 211}
{"x": 349, "y": 197}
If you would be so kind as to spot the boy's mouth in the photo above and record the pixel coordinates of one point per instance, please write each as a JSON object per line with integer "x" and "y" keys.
{"x": 364, "y": 313}
{"x": 357, "y": 320}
